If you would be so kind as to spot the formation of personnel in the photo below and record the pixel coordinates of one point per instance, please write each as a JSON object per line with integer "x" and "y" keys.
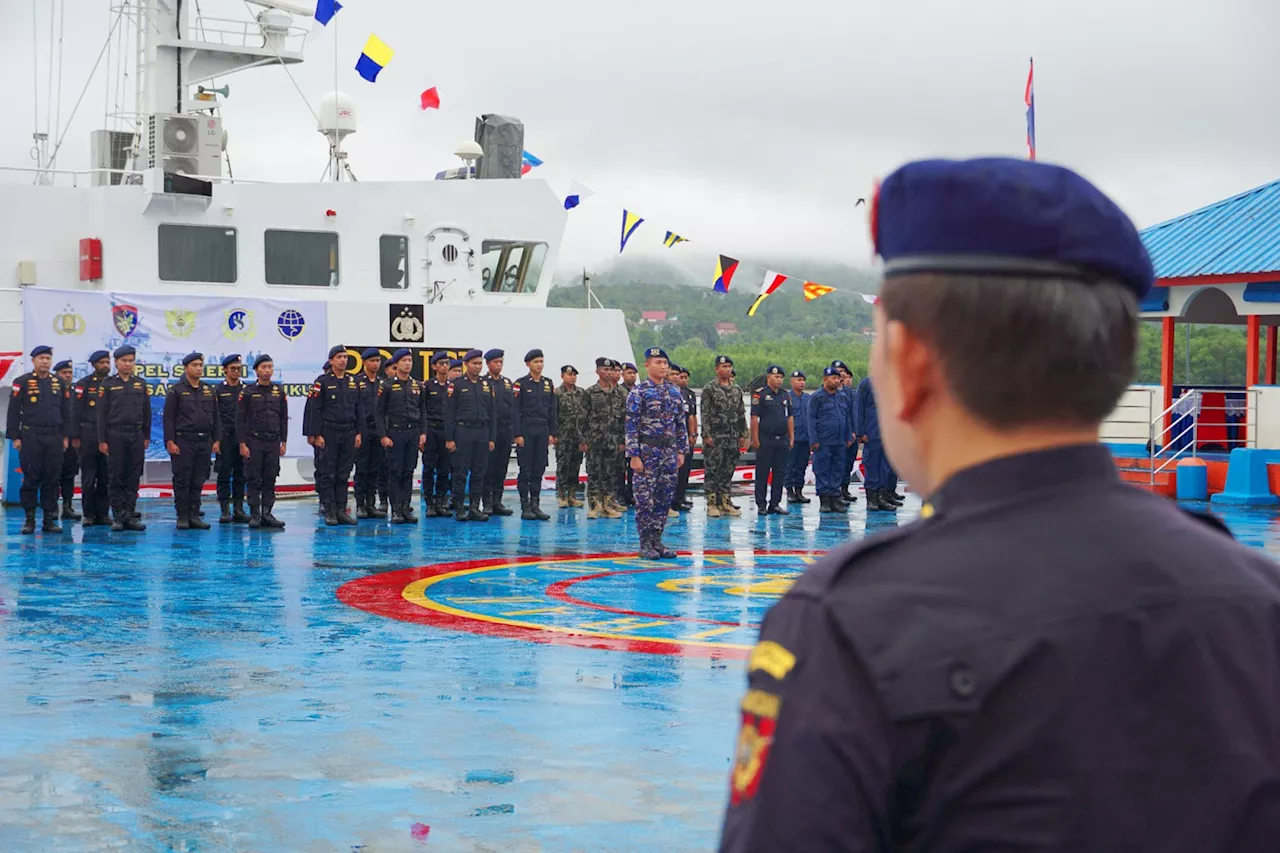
{"x": 463, "y": 423}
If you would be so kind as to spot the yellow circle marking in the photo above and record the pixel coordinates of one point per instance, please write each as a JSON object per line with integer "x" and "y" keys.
{"x": 415, "y": 593}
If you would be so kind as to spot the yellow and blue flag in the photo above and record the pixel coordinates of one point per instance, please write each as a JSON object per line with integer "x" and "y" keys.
{"x": 672, "y": 238}
{"x": 375, "y": 57}
{"x": 630, "y": 222}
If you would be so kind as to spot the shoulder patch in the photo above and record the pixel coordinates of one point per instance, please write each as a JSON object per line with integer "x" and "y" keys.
{"x": 772, "y": 658}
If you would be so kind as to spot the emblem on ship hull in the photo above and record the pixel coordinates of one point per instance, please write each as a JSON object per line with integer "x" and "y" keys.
{"x": 407, "y": 323}
{"x": 238, "y": 324}
{"x": 68, "y": 323}
{"x": 125, "y": 318}
{"x": 291, "y": 324}
{"x": 181, "y": 323}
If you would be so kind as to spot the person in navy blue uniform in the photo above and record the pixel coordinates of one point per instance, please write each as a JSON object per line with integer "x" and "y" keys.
{"x": 437, "y": 469}
{"x": 94, "y": 471}
{"x": 228, "y": 463}
{"x": 469, "y": 435}
{"x": 371, "y": 461}
{"x": 798, "y": 459}
{"x": 881, "y": 479}
{"x": 851, "y": 451}
{"x": 65, "y": 372}
{"x": 192, "y": 434}
{"x": 337, "y": 416}
{"x": 262, "y": 426}
{"x": 1048, "y": 658}
{"x": 39, "y": 422}
{"x": 402, "y": 435}
{"x": 534, "y": 423}
{"x": 503, "y": 403}
{"x": 124, "y": 433}
{"x": 323, "y": 486}
{"x": 830, "y": 434}
{"x": 680, "y": 378}
{"x": 772, "y": 435}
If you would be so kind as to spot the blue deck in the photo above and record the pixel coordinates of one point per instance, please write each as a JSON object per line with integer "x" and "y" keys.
{"x": 209, "y": 691}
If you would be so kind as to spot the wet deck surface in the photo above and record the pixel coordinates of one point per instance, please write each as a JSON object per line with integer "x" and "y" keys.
{"x": 314, "y": 689}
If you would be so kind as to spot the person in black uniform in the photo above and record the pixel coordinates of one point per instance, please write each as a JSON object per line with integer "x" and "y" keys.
{"x": 437, "y": 469}
{"x": 469, "y": 433}
{"x": 192, "y": 433}
{"x": 371, "y": 461}
{"x": 39, "y": 421}
{"x": 124, "y": 433}
{"x": 229, "y": 462}
{"x": 380, "y": 511}
{"x": 322, "y": 486}
{"x": 680, "y": 378}
{"x": 1048, "y": 659}
{"x": 337, "y": 413}
{"x": 70, "y": 457}
{"x": 402, "y": 435}
{"x": 496, "y": 468}
{"x": 533, "y": 421}
{"x": 772, "y": 434}
{"x": 94, "y": 471}
{"x": 262, "y": 426}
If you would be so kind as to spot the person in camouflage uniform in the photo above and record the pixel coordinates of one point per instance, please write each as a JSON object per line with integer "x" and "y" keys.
{"x": 571, "y": 402}
{"x": 724, "y": 437}
{"x": 657, "y": 438}
{"x": 604, "y": 415}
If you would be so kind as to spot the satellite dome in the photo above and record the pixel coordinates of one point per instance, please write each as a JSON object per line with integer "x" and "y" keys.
{"x": 337, "y": 114}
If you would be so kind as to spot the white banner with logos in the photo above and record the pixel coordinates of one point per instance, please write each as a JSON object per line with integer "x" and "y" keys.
{"x": 163, "y": 329}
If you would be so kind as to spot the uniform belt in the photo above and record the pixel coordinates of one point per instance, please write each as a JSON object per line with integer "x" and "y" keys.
{"x": 195, "y": 435}
{"x": 402, "y": 426}
{"x": 775, "y": 437}
{"x": 657, "y": 441}
{"x": 264, "y": 436}
{"x": 41, "y": 430}
{"x": 337, "y": 427}
{"x": 475, "y": 424}
{"x": 435, "y": 423}
{"x": 123, "y": 427}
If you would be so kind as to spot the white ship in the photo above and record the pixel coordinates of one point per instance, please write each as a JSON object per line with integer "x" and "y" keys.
{"x": 462, "y": 261}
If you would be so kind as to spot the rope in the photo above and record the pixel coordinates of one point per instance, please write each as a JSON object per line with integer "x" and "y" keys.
{"x": 93, "y": 71}
{"x": 62, "y": 29}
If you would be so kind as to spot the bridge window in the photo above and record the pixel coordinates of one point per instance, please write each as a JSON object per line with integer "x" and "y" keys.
{"x": 511, "y": 266}
{"x": 204, "y": 253}
{"x": 305, "y": 258}
{"x": 393, "y": 260}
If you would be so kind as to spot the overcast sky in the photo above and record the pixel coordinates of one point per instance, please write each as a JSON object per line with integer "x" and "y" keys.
{"x": 747, "y": 132}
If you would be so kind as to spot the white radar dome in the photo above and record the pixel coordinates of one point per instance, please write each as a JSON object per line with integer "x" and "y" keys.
{"x": 337, "y": 114}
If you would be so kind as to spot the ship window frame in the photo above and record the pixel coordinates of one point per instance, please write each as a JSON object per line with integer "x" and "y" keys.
{"x": 405, "y": 241}
{"x": 187, "y": 226}
{"x": 337, "y": 258}
{"x": 529, "y": 248}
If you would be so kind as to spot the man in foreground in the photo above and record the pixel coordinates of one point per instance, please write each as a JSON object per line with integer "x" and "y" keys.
{"x": 1048, "y": 659}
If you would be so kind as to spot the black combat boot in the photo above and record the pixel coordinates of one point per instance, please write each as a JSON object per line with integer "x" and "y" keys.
{"x": 239, "y": 516}
{"x": 460, "y": 511}
{"x": 778, "y": 509}
{"x": 381, "y": 510}
{"x": 846, "y": 496}
{"x": 499, "y": 508}
{"x": 69, "y": 511}
{"x": 431, "y": 502}
{"x": 364, "y": 508}
{"x": 874, "y": 502}
{"x": 255, "y": 518}
{"x": 892, "y": 496}
{"x": 51, "y": 524}
{"x": 195, "y": 520}
{"x": 407, "y": 511}
{"x": 30, "y": 526}
{"x": 536, "y": 501}
{"x": 330, "y": 516}
{"x": 133, "y": 521}
{"x": 397, "y": 516}
{"x": 526, "y": 509}
{"x": 476, "y": 513}
{"x": 344, "y": 517}
{"x": 225, "y": 506}
{"x": 269, "y": 520}
{"x": 183, "y": 523}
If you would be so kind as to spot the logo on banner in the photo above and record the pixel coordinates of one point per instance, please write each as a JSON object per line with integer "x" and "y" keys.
{"x": 181, "y": 323}
{"x": 125, "y": 318}
{"x": 238, "y": 325}
{"x": 68, "y": 322}
{"x": 407, "y": 323}
{"x": 291, "y": 324}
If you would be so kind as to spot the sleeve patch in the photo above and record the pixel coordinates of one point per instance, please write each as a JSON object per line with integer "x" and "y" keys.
{"x": 772, "y": 658}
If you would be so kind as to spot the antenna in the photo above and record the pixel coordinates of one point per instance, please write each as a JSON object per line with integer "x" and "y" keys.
{"x": 336, "y": 120}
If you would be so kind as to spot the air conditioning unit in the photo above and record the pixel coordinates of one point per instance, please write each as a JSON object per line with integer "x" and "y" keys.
{"x": 110, "y": 149}
{"x": 187, "y": 145}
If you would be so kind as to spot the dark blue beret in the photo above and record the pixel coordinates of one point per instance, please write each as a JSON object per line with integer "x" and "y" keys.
{"x": 723, "y": 359}
{"x": 1005, "y": 216}
{"x": 840, "y": 364}
{"x": 334, "y": 350}
{"x": 41, "y": 350}
{"x": 672, "y": 367}
{"x": 234, "y": 358}
{"x": 455, "y": 362}
{"x": 655, "y": 352}
{"x": 532, "y": 354}
{"x": 261, "y": 360}
{"x": 684, "y": 370}
{"x": 64, "y": 364}
{"x": 400, "y": 353}
{"x": 121, "y": 352}
{"x": 775, "y": 370}
{"x": 493, "y": 353}
{"x": 569, "y": 368}
{"x": 440, "y": 356}
{"x": 371, "y": 352}
{"x": 603, "y": 362}
{"x": 626, "y": 365}
{"x": 98, "y": 355}
{"x": 192, "y": 356}
{"x": 472, "y": 353}
{"x": 798, "y": 374}
{"x": 830, "y": 371}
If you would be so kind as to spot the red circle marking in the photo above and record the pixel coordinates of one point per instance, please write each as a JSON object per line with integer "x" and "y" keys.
{"x": 382, "y": 594}
{"x": 559, "y": 591}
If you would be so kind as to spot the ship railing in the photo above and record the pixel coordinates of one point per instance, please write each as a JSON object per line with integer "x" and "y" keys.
{"x": 232, "y": 33}
{"x": 1175, "y": 432}
{"x": 76, "y": 175}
